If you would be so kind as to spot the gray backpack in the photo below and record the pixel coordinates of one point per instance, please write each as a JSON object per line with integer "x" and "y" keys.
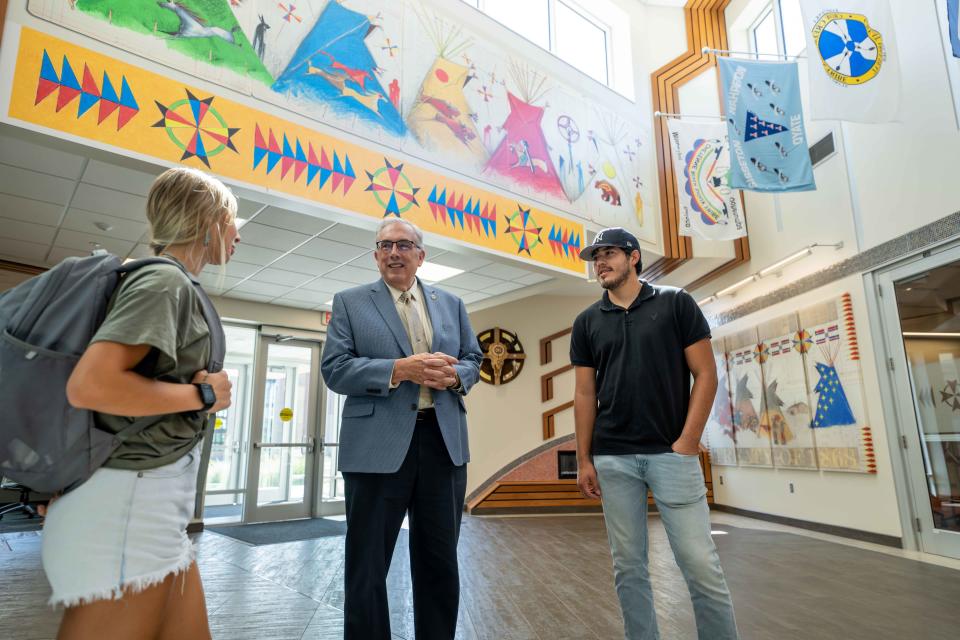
{"x": 46, "y": 324}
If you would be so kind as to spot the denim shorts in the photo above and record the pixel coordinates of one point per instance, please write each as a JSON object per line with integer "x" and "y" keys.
{"x": 120, "y": 531}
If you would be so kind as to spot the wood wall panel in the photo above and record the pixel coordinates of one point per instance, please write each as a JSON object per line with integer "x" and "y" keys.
{"x": 706, "y": 27}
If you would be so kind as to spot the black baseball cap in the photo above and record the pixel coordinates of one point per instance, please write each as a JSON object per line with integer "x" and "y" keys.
{"x": 611, "y": 237}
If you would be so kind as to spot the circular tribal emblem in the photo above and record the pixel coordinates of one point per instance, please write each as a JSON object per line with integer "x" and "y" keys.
{"x": 503, "y": 356}
{"x": 524, "y": 230}
{"x": 392, "y": 189}
{"x": 850, "y": 50}
{"x": 707, "y": 180}
{"x": 196, "y": 128}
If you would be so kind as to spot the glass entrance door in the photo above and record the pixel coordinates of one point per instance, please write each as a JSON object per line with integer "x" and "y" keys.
{"x": 924, "y": 314}
{"x": 226, "y": 477}
{"x": 281, "y": 476}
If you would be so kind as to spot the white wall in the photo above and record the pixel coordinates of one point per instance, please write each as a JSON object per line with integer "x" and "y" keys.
{"x": 901, "y": 175}
{"x": 866, "y": 502}
{"x": 896, "y": 177}
{"x": 505, "y": 421}
{"x": 268, "y": 314}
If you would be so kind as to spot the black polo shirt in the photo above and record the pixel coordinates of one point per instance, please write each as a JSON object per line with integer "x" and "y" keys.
{"x": 643, "y": 382}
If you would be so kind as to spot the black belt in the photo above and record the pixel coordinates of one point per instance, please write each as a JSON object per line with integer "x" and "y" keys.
{"x": 426, "y": 414}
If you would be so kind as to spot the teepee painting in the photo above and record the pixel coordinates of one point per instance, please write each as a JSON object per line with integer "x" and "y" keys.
{"x": 718, "y": 433}
{"x": 748, "y": 395}
{"x": 275, "y": 29}
{"x": 333, "y": 64}
{"x": 380, "y": 70}
{"x": 523, "y": 155}
{"x": 787, "y": 408}
{"x": 835, "y": 384}
{"x": 441, "y": 118}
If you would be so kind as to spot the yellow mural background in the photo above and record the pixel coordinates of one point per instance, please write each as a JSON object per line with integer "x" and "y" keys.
{"x": 139, "y": 135}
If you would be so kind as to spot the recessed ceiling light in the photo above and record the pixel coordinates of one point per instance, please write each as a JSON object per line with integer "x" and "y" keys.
{"x": 240, "y": 222}
{"x": 432, "y": 272}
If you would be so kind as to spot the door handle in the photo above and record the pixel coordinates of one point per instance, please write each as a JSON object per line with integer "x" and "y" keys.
{"x": 309, "y": 445}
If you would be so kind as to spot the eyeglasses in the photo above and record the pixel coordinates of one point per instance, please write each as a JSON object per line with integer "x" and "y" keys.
{"x": 403, "y": 246}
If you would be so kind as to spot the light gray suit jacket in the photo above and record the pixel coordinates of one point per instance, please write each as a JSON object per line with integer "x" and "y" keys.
{"x": 364, "y": 338}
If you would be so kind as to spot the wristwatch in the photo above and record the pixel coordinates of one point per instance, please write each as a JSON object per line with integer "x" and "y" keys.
{"x": 207, "y": 395}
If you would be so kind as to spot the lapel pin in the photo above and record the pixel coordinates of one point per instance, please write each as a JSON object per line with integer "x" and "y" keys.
{"x": 433, "y": 296}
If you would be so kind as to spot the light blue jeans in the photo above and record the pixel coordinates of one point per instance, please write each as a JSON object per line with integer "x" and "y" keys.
{"x": 679, "y": 491}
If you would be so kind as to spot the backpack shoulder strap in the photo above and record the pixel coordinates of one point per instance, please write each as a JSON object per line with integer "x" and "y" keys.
{"x": 218, "y": 342}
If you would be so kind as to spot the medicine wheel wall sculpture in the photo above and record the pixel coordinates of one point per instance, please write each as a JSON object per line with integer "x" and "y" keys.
{"x": 503, "y": 356}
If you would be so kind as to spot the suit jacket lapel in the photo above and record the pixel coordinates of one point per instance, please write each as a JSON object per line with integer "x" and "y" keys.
{"x": 385, "y": 305}
{"x": 430, "y": 301}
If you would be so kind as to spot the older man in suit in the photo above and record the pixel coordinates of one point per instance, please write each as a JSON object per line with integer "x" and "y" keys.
{"x": 404, "y": 354}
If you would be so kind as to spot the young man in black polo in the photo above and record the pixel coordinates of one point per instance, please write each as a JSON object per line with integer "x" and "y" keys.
{"x": 638, "y": 426}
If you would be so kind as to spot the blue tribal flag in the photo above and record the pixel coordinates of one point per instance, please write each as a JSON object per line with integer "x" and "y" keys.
{"x": 768, "y": 143}
{"x": 953, "y": 24}
{"x": 833, "y": 408}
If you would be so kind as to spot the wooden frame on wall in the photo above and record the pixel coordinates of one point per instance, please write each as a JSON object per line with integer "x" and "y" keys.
{"x": 706, "y": 27}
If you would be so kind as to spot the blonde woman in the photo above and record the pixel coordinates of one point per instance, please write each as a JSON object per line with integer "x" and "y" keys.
{"x": 115, "y": 550}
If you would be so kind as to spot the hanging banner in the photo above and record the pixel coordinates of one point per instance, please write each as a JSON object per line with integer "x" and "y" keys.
{"x": 852, "y": 60}
{"x": 953, "y": 21}
{"x": 709, "y": 207}
{"x": 768, "y": 142}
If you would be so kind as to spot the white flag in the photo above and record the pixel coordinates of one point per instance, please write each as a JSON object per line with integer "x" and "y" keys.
{"x": 709, "y": 208}
{"x": 851, "y": 60}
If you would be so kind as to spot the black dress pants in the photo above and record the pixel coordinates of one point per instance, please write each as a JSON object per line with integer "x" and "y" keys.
{"x": 431, "y": 490}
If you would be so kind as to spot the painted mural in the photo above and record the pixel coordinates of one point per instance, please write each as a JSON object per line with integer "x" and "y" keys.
{"x": 747, "y": 393}
{"x": 718, "y": 433}
{"x": 835, "y": 382}
{"x": 82, "y": 94}
{"x": 795, "y": 395}
{"x": 406, "y": 76}
{"x": 787, "y": 410}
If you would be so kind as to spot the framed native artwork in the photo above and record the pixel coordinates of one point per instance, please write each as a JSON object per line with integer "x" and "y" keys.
{"x": 787, "y": 403}
{"x": 791, "y": 394}
{"x": 752, "y": 436}
{"x": 835, "y": 384}
{"x": 718, "y": 434}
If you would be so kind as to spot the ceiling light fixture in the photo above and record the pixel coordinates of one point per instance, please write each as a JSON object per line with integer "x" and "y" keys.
{"x": 778, "y": 266}
{"x": 737, "y": 285}
{"x": 103, "y": 226}
{"x": 775, "y": 268}
{"x": 432, "y": 272}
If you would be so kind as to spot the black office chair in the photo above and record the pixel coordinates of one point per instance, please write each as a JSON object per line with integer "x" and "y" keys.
{"x": 24, "y": 503}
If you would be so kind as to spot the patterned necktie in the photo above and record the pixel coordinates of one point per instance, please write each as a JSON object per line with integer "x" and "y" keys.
{"x": 418, "y": 337}
{"x": 418, "y": 340}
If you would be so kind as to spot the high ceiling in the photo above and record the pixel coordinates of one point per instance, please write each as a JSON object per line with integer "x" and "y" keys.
{"x": 59, "y": 200}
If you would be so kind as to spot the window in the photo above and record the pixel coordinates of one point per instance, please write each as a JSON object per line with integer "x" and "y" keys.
{"x": 794, "y": 38}
{"x": 566, "y": 29}
{"x": 530, "y": 18}
{"x": 778, "y": 30}
{"x": 763, "y": 35}
{"x": 581, "y": 42}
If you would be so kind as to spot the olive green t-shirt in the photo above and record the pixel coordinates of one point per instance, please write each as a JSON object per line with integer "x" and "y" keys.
{"x": 157, "y": 305}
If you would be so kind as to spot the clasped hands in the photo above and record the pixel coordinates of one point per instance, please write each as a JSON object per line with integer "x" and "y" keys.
{"x": 433, "y": 370}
